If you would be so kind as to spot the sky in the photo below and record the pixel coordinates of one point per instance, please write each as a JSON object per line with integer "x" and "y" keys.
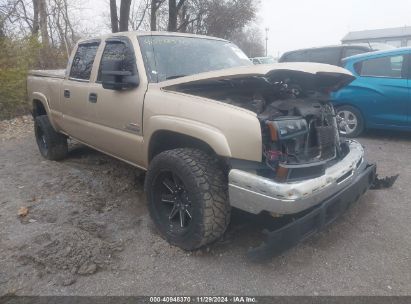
{"x": 295, "y": 24}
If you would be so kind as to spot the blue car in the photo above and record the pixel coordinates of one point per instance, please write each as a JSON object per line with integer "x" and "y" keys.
{"x": 380, "y": 96}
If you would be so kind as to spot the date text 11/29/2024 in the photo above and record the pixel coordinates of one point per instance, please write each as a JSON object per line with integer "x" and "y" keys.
{"x": 205, "y": 299}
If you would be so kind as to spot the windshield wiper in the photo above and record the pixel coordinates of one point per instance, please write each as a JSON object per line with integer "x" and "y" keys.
{"x": 175, "y": 76}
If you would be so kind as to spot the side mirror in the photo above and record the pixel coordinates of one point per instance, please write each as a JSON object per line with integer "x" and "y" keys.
{"x": 115, "y": 77}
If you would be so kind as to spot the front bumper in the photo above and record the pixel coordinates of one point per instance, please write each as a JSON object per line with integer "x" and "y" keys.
{"x": 288, "y": 236}
{"x": 254, "y": 194}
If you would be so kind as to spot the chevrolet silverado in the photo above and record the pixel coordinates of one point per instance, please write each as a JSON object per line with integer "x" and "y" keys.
{"x": 212, "y": 130}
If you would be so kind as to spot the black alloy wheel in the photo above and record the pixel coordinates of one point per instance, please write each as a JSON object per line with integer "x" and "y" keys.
{"x": 172, "y": 201}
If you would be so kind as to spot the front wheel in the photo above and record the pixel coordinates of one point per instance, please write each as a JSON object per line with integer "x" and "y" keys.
{"x": 187, "y": 197}
{"x": 351, "y": 122}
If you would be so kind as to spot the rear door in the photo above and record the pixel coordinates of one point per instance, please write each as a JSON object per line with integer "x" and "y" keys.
{"x": 385, "y": 85}
{"x": 75, "y": 88}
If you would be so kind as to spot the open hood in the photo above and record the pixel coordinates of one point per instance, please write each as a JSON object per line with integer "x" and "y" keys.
{"x": 309, "y": 76}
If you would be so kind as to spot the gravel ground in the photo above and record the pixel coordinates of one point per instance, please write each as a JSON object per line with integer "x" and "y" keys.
{"x": 87, "y": 232}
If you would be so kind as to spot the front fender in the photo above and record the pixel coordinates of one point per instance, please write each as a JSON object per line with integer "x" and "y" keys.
{"x": 212, "y": 136}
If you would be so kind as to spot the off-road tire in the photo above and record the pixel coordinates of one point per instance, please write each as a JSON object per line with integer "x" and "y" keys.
{"x": 360, "y": 120}
{"x": 206, "y": 184}
{"x": 52, "y": 145}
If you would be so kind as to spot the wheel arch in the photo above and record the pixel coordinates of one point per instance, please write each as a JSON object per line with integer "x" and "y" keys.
{"x": 40, "y": 104}
{"x": 165, "y": 132}
{"x": 164, "y": 140}
{"x": 38, "y": 108}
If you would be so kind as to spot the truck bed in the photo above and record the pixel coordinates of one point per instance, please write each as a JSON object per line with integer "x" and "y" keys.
{"x": 45, "y": 85}
{"x": 48, "y": 73}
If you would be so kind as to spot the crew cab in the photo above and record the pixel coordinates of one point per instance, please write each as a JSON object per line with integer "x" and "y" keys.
{"x": 212, "y": 130}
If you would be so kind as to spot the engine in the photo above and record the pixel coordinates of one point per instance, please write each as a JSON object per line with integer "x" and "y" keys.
{"x": 300, "y": 136}
{"x": 299, "y": 130}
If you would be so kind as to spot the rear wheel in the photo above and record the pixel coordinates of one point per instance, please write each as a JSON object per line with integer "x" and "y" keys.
{"x": 52, "y": 145}
{"x": 351, "y": 122}
{"x": 187, "y": 197}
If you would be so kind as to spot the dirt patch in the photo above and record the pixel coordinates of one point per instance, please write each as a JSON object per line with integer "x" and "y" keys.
{"x": 75, "y": 221}
{"x": 71, "y": 251}
{"x": 16, "y": 128}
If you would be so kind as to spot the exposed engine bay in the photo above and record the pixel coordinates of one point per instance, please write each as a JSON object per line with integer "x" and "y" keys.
{"x": 299, "y": 130}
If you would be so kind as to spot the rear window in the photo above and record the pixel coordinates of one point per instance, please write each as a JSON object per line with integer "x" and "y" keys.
{"x": 299, "y": 56}
{"x": 83, "y": 61}
{"x": 348, "y": 52}
{"x": 390, "y": 67}
{"x": 326, "y": 55}
{"x": 321, "y": 55}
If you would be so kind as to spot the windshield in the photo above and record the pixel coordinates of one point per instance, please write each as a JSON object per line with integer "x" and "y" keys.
{"x": 168, "y": 57}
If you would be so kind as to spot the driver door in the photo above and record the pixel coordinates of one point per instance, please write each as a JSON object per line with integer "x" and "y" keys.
{"x": 117, "y": 114}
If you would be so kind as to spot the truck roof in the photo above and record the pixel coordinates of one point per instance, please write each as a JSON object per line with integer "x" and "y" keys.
{"x": 151, "y": 33}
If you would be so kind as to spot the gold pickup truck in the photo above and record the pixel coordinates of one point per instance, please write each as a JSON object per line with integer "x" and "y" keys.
{"x": 212, "y": 130}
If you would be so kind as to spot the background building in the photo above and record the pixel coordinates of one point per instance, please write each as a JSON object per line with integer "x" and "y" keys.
{"x": 397, "y": 37}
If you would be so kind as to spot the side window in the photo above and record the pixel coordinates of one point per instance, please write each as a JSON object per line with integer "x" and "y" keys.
{"x": 295, "y": 57}
{"x": 326, "y": 55}
{"x": 83, "y": 61}
{"x": 390, "y": 67}
{"x": 117, "y": 50}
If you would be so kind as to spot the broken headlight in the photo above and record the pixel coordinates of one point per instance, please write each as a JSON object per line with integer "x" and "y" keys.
{"x": 288, "y": 137}
{"x": 288, "y": 127}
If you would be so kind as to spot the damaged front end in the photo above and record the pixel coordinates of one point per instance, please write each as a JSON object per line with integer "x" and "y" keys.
{"x": 307, "y": 171}
{"x": 298, "y": 123}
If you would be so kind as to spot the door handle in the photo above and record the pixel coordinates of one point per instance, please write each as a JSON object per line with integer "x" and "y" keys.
{"x": 66, "y": 93}
{"x": 92, "y": 97}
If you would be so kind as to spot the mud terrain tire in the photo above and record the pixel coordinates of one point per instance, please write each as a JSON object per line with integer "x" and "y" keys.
{"x": 196, "y": 180}
{"x": 52, "y": 145}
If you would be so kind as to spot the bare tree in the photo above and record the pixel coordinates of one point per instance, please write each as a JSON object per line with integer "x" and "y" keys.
{"x": 42, "y": 6}
{"x": 138, "y": 14}
{"x": 5, "y": 12}
{"x": 122, "y": 23}
{"x": 251, "y": 41}
{"x": 174, "y": 9}
{"x": 113, "y": 16}
{"x": 8, "y": 14}
{"x": 225, "y": 18}
{"x": 191, "y": 16}
{"x": 124, "y": 14}
{"x": 221, "y": 18}
{"x": 61, "y": 30}
{"x": 155, "y": 6}
{"x": 36, "y": 26}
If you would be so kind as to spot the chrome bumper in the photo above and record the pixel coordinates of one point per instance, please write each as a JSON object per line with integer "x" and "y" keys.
{"x": 254, "y": 194}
